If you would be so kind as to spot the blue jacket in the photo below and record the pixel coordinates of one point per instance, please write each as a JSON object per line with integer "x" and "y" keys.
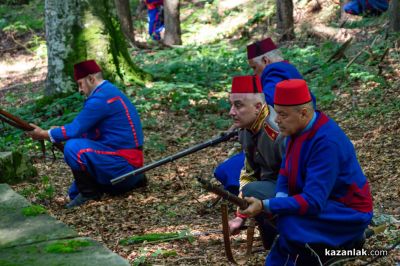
{"x": 360, "y": 7}
{"x": 328, "y": 198}
{"x": 108, "y": 117}
{"x": 273, "y": 74}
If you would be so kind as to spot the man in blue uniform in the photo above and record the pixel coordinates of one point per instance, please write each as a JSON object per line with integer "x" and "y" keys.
{"x": 155, "y": 18}
{"x": 323, "y": 201}
{"x": 366, "y": 7}
{"x": 104, "y": 141}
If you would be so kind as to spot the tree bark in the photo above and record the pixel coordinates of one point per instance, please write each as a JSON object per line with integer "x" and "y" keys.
{"x": 125, "y": 18}
{"x": 77, "y": 30}
{"x": 172, "y": 22}
{"x": 395, "y": 15}
{"x": 285, "y": 21}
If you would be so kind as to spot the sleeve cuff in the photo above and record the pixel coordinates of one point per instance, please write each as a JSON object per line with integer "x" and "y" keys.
{"x": 281, "y": 195}
{"x": 50, "y": 136}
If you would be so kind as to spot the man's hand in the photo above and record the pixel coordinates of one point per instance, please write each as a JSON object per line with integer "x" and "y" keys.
{"x": 255, "y": 207}
{"x": 38, "y": 133}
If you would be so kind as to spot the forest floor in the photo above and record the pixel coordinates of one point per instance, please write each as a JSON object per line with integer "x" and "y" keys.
{"x": 174, "y": 201}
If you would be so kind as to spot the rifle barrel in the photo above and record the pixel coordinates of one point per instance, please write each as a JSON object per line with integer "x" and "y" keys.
{"x": 212, "y": 142}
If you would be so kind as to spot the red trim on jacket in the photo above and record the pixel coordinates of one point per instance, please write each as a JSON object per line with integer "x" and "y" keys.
{"x": 357, "y": 199}
{"x": 303, "y": 204}
{"x": 118, "y": 98}
{"x": 64, "y": 132}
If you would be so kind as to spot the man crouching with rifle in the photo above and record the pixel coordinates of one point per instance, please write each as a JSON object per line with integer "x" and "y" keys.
{"x": 263, "y": 147}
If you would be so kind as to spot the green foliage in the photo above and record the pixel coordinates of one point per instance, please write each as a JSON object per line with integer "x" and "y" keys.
{"x": 195, "y": 79}
{"x": 33, "y": 210}
{"x": 164, "y": 253}
{"x": 155, "y": 142}
{"x": 330, "y": 76}
{"x": 148, "y": 238}
{"x": 47, "y": 191}
{"x": 45, "y": 111}
{"x": 22, "y": 19}
{"x": 157, "y": 237}
{"x": 67, "y": 246}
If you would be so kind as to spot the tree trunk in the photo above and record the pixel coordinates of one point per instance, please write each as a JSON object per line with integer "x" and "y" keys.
{"x": 125, "y": 18}
{"x": 77, "y": 30}
{"x": 395, "y": 15}
{"x": 285, "y": 22}
{"x": 172, "y": 22}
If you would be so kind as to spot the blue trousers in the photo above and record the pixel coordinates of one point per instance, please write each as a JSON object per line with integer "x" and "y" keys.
{"x": 366, "y": 7}
{"x": 156, "y": 24}
{"x": 289, "y": 253}
{"x": 100, "y": 162}
{"x": 228, "y": 172}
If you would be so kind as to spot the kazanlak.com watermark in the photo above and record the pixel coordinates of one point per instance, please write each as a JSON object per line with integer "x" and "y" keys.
{"x": 355, "y": 252}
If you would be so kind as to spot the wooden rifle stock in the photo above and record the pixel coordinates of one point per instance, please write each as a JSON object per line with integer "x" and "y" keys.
{"x": 17, "y": 122}
{"x": 241, "y": 203}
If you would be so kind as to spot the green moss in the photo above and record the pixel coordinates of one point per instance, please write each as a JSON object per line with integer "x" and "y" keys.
{"x": 99, "y": 36}
{"x": 15, "y": 167}
{"x": 33, "y": 210}
{"x": 67, "y": 246}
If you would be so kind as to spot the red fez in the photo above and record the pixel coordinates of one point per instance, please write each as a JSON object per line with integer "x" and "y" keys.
{"x": 85, "y": 68}
{"x": 291, "y": 92}
{"x": 260, "y": 48}
{"x": 246, "y": 84}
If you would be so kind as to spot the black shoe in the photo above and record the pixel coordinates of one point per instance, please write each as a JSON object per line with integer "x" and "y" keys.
{"x": 80, "y": 200}
{"x": 142, "y": 183}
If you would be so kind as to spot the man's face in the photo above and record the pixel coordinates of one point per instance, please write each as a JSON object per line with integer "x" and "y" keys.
{"x": 257, "y": 65}
{"x": 243, "y": 111}
{"x": 85, "y": 85}
{"x": 289, "y": 119}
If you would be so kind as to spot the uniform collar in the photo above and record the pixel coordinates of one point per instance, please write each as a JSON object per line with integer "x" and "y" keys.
{"x": 255, "y": 127}
{"x": 311, "y": 123}
{"x": 98, "y": 86}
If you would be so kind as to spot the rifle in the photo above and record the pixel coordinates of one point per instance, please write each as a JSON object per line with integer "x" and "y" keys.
{"x": 212, "y": 142}
{"x": 25, "y": 126}
{"x": 241, "y": 203}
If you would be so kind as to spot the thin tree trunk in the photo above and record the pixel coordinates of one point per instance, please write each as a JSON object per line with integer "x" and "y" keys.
{"x": 172, "y": 22}
{"x": 395, "y": 16}
{"x": 285, "y": 21}
{"x": 77, "y": 30}
{"x": 125, "y": 18}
